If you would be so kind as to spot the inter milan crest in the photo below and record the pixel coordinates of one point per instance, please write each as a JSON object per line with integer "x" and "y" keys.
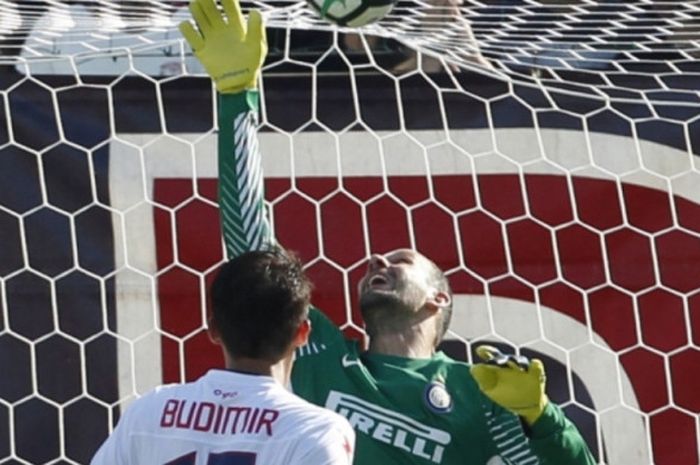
{"x": 437, "y": 398}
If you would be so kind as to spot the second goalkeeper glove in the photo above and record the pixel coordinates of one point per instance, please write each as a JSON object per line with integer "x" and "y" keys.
{"x": 514, "y": 383}
{"x": 231, "y": 52}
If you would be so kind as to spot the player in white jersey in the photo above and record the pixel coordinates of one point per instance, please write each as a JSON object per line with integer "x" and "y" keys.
{"x": 242, "y": 415}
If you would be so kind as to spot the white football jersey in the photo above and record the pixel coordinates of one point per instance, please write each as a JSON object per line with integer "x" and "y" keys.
{"x": 227, "y": 418}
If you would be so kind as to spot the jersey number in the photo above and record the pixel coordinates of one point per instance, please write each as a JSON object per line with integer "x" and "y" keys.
{"x": 223, "y": 458}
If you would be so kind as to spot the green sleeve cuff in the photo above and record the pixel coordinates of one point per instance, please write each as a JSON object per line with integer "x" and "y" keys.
{"x": 241, "y": 102}
{"x": 550, "y": 421}
{"x": 556, "y": 441}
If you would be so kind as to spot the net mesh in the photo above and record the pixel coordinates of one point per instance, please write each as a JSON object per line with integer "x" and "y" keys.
{"x": 633, "y": 50}
{"x": 544, "y": 154}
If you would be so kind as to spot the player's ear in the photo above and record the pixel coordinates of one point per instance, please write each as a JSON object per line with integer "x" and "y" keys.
{"x": 303, "y": 332}
{"x": 213, "y": 331}
{"x": 438, "y": 300}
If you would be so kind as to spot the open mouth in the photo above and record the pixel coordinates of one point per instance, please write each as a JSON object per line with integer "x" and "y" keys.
{"x": 379, "y": 281}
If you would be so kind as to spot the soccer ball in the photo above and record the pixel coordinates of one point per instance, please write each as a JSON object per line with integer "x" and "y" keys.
{"x": 352, "y": 13}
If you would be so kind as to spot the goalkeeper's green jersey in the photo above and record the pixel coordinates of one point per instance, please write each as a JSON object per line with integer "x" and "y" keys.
{"x": 404, "y": 411}
{"x": 423, "y": 411}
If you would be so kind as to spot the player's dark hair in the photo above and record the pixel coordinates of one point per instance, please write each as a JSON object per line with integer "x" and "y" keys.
{"x": 259, "y": 299}
{"x": 443, "y": 285}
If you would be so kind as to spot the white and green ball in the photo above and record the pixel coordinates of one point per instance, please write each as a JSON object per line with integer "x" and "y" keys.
{"x": 352, "y": 13}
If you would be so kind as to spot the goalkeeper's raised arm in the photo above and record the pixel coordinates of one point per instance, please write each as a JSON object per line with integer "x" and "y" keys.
{"x": 409, "y": 403}
{"x": 232, "y": 52}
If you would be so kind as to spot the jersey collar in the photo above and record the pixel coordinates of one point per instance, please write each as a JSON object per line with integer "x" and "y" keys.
{"x": 372, "y": 358}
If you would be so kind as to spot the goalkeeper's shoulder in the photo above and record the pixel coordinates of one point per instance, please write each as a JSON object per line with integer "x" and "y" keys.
{"x": 323, "y": 328}
{"x": 325, "y": 339}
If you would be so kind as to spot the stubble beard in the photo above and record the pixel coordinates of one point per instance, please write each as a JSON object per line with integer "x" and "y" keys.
{"x": 384, "y": 312}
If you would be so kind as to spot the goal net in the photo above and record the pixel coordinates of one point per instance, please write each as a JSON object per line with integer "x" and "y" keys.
{"x": 543, "y": 153}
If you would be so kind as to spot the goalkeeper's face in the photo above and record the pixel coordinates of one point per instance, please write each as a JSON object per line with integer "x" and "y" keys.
{"x": 396, "y": 288}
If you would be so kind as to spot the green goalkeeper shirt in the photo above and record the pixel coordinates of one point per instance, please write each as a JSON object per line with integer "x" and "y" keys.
{"x": 423, "y": 411}
{"x": 404, "y": 411}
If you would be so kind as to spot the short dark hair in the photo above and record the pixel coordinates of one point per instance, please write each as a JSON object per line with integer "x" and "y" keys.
{"x": 259, "y": 299}
{"x": 442, "y": 284}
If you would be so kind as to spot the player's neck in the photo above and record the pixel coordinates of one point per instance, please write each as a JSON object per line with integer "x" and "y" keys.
{"x": 280, "y": 371}
{"x": 409, "y": 344}
{"x": 414, "y": 338}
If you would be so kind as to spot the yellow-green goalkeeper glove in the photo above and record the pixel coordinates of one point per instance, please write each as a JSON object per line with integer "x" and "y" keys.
{"x": 513, "y": 382}
{"x": 231, "y": 53}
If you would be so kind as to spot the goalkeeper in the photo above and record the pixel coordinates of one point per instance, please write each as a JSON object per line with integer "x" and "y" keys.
{"x": 408, "y": 403}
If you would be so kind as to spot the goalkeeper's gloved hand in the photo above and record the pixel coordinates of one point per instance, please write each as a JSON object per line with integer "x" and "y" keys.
{"x": 231, "y": 52}
{"x": 513, "y": 382}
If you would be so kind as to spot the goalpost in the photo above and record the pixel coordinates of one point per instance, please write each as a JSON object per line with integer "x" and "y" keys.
{"x": 543, "y": 153}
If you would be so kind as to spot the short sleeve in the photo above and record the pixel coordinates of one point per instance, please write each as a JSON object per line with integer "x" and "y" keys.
{"x": 334, "y": 445}
{"x": 116, "y": 448}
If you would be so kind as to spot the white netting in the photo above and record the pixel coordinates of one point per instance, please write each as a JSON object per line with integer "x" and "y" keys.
{"x": 631, "y": 50}
{"x": 543, "y": 153}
